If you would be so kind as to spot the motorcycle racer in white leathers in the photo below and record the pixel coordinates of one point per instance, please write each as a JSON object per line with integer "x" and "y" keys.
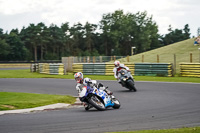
{"x": 83, "y": 82}
{"x": 118, "y": 67}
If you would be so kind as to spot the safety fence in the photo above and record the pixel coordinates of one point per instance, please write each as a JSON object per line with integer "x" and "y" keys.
{"x": 138, "y": 69}
{"x": 190, "y": 69}
{"x": 51, "y": 68}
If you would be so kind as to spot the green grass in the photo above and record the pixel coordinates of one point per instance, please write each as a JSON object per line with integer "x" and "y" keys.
{"x": 14, "y": 100}
{"x": 178, "y": 130}
{"x": 166, "y": 54}
{"x": 168, "y": 79}
{"x": 27, "y": 74}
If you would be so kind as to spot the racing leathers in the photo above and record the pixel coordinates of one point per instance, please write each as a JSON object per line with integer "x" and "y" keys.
{"x": 93, "y": 84}
{"x": 116, "y": 69}
{"x": 79, "y": 86}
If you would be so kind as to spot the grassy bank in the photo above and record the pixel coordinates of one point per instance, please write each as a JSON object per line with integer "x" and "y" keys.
{"x": 27, "y": 74}
{"x": 13, "y": 100}
{"x": 178, "y": 130}
{"x": 180, "y": 50}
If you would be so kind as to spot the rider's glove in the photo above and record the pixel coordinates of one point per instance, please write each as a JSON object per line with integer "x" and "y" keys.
{"x": 100, "y": 85}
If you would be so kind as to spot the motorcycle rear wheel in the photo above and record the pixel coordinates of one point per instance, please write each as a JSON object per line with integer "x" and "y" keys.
{"x": 97, "y": 103}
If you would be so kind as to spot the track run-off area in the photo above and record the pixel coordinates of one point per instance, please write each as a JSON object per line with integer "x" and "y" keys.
{"x": 156, "y": 105}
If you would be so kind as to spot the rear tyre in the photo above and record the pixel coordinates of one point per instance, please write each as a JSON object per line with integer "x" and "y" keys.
{"x": 97, "y": 103}
{"x": 132, "y": 86}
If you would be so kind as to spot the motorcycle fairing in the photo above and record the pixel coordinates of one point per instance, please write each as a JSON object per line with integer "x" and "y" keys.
{"x": 106, "y": 98}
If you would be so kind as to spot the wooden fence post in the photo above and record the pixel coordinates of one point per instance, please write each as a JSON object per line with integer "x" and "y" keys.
{"x": 190, "y": 57}
{"x": 88, "y": 59}
{"x": 174, "y": 64}
{"x": 142, "y": 58}
{"x": 127, "y": 58}
{"x": 68, "y": 63}
{"x": 157, "y": 58}
{"x": 93, "y": 59}
{"x": 84, "y": 60}
{"x": 100, "y": 58}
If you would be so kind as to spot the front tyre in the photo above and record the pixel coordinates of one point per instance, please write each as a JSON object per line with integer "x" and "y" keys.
{"x": 97, "y": 103}
{"x": 117, "y": 103}
{"x": 131, "y": 85}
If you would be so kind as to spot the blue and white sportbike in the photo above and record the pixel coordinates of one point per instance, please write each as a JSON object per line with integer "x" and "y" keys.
{"x": 97, "y": 98}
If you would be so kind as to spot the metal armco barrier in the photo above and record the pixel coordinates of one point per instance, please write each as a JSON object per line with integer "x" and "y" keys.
{"x": 138, "y": 69}
{"x": 51, "y": 68}
{"x": 190, "y": 69}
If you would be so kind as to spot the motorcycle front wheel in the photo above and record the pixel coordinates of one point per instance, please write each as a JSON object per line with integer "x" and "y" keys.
{"x": 97, "y": 103}
{"x": 131, "y": 85}
{"x": 117, "y": 103}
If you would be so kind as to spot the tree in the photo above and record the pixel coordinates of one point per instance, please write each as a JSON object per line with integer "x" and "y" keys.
{"x": 67, "y": 42}
{"x": 186, "y": 31}
{"x": 112, "y": 31}
{"x": 77, "y": 37}
{"x": 17, "y": 49}
{"x": 31, "y": 36}
{"x": 56, "y": 42}
{"x": 89, "y": 37}
{"x": 123, "y": 31}
{"x": 42, "y": 38}
{"x": 176, "y": 35}
{"x": 4, "y": 49}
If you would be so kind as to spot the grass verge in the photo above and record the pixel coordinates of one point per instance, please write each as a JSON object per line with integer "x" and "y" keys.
{"x": 27, "y": 74}
{"x": 178, "y": 130}
{"x": 15, "y": 100}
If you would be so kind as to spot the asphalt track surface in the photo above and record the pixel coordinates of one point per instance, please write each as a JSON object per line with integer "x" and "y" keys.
{"x": 156, "y": 105}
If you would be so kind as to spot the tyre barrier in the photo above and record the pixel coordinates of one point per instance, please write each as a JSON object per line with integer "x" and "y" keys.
{"x": 153, "y": 69}
{"x": 51, "y": 68}
{"x": 34, "y": 67}
{"x": 190, "y": 69}
{"x": 137, "y": 69}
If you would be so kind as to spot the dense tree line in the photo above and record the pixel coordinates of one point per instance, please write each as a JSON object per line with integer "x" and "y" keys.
{"x": 115, "y": 34}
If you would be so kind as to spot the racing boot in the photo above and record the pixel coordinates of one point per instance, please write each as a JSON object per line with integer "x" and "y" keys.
{"x": 119, "y": 81}
{"x": 87, "y": 106}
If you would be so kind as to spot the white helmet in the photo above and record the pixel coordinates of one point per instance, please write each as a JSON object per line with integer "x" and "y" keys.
{"x": 78, "y": 77}
{"x": 117, "y": 63}
{"x": 86, "y": 80}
